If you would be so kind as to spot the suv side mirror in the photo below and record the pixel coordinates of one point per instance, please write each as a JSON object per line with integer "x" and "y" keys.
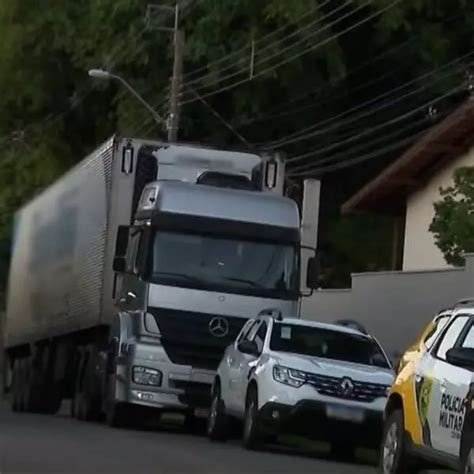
{"x": 312, "y": 274}
{"x": 461, "y": 357}
{"x": 248, "y": 347}
{"x": 119, "y": 264}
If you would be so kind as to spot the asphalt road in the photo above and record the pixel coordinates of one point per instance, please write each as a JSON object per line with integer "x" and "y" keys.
{"x": 59, "y": 444}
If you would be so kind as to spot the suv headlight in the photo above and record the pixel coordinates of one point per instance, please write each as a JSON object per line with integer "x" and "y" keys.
{"x": 146, "y": 376}
{"x": 287, "y": 376}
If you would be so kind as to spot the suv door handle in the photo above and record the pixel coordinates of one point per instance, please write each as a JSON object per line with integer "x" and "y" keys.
{"x": 443, "y": 386}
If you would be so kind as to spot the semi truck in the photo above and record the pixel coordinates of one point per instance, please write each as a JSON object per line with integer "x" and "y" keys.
{"x": 132, "y": 273}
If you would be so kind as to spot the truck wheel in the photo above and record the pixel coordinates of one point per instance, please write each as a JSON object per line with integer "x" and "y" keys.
{"x": 15, "y": 387}
{"x": 343, "y": 450}
{"x": 218, "y": 421}
{"x": 86, "y": 402}
{"x": 118, "y": 415}
{"x": 252, "y": 433}
{"x": 394, "y": 458}
{"x": 27, "y": 393}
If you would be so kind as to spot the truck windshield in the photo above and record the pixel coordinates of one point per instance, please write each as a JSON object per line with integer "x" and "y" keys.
{"x": 327, "y": 344}
{"x": 227, "y": 265}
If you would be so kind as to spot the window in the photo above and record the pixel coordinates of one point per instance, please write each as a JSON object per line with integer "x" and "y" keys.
{"x": 469, "y": 339}
{"x": 450, "y": 337}
{"x": 438, "y": 326}
{"x": 260, "y": 336}
{"x": 327, "y": 344}
{"x": 245, "y": 330}
{"x": 132, "y": 252}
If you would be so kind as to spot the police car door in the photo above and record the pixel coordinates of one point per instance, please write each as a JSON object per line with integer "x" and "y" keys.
{"x": 450, "y": 387}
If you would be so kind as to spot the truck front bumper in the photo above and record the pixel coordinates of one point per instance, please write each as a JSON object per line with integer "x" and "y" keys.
{"x": 181, "y": 388}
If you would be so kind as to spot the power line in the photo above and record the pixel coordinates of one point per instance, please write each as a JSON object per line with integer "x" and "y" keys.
{"x": 364, "y": 146}
{"x": 313, "y": 130}
{"x": 222, "y": 119}
{"x": 360, "y": 159}
{"x": 301, "y": 53}
{"x": 280, "y": 52}
{"x": 277, "y": 42}
{"x": 374, "y": 129}
{"x": 248, "y": 46}
{"x": 409, "y": 41}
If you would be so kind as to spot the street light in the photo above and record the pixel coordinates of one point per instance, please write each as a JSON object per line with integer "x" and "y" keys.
{"x": 106, "y": 75}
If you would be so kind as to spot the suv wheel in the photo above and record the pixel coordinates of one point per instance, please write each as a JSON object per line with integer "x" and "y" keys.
{"x": 343, "y": 450}
{"x": 217, "y": 422}
{"x": 394, "y": 458}
{"x": 252, "y": 435}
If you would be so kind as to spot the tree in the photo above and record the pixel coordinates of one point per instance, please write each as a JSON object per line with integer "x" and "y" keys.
{"x": 453, "y": 223}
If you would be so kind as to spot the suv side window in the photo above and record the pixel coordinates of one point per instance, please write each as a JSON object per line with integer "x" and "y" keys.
{"x": 450, "y": 337}
{"x": 431, "y": 337}
{"x": 469, "y": 338}
{"x": 260, "y": 336}
{"x": 245, "y": 330}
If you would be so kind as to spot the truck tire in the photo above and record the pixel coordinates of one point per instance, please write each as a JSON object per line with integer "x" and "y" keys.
{"x": 86, "y": 402}
{"x": 218, "y": 421}
{"x": 27, "y": 386}
{"x": 252, "y": 436}
{"x": 394, "y": 458}
{"x": 15, "y": 386}
{"x": 119, "y": 415}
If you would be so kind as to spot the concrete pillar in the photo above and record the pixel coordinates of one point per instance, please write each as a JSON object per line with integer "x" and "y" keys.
{"x": 309, "y": 224}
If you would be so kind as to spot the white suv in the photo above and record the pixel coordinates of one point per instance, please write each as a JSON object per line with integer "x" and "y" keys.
{"x": 323, "y": 381}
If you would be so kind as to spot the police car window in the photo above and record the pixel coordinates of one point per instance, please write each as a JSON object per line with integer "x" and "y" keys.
{"x": 435, "y": 331}
{"x": 260, "y": 336}
{"x": 450, "y": 337}
{"x": 469, "y": 339}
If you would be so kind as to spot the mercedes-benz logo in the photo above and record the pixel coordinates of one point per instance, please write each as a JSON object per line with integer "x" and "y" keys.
{"x": 219, "y": 327}
{"x": 346, "y": 387}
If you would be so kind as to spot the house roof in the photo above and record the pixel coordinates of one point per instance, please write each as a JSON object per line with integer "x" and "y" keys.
{"x": 447, "y": 141}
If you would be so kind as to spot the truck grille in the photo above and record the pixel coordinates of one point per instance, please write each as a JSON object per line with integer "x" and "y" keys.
{"x": 331, "y": 387}
{"x": 186, "y": 338}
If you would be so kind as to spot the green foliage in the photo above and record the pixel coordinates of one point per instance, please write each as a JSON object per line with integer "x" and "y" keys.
{"x": 453, "y": 223}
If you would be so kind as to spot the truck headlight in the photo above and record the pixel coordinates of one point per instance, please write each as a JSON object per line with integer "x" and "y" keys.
{"x": 146, "y": 376}
{"x": 287, "y": 376}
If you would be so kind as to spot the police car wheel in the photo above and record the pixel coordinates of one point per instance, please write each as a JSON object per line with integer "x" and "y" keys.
{"x": 394, "y": 458}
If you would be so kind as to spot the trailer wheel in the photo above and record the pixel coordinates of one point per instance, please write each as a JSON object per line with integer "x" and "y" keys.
{"x": 119, "y": 415}
{"x": 15, "y": 386}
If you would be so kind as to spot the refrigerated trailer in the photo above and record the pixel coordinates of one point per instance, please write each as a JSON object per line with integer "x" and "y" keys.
{"x": 132, "y": 273}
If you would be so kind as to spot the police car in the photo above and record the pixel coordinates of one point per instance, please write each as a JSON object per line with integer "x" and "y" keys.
{"x": 429, "y": 417}
{"x": 283, "y": 375}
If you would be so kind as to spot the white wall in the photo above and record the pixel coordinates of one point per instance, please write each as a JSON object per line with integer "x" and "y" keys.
{"x": 421, "y": 252}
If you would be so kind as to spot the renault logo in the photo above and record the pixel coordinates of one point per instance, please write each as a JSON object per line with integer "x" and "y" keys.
{"x": 346, "y": 387}
{"x": 219, "y": 327}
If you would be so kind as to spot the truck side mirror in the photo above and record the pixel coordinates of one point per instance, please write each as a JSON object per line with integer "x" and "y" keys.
{"x": 119, "y": 264}
{"x": 312, "y": 274}
{"x": 461, "y": 357}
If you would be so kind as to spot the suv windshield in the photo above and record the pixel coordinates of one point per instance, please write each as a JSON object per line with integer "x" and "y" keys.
{"x": 327, "y": 344}
{"x": 221, "y": 264}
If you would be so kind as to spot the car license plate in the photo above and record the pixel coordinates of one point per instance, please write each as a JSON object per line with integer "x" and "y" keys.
{"x": 345, "y": 413}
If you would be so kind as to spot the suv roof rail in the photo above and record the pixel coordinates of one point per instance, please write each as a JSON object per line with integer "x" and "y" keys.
{"x": 272, "y": 312}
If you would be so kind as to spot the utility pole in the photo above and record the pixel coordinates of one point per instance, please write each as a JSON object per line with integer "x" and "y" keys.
{"x": 178, "y": 49}
{"x": 173, "y": 126}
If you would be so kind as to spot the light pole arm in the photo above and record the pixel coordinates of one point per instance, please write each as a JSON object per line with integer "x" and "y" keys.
{"x": 155, "y": 114}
